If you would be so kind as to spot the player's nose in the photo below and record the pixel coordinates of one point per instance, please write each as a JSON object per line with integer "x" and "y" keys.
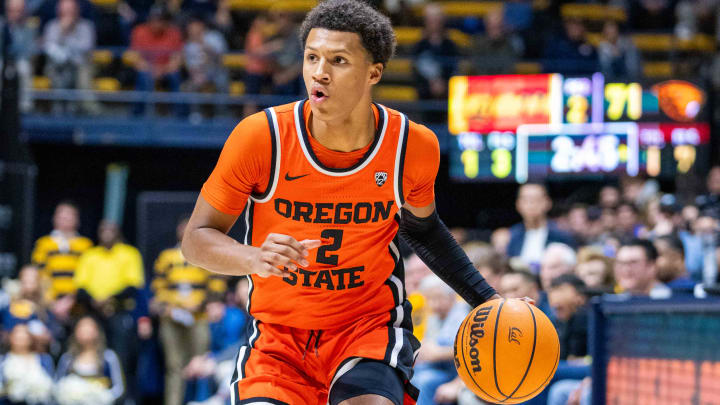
{"x": 321, "y": 74}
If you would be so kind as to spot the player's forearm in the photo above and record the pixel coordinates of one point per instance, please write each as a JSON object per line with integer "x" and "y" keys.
{"x": 215, "y": 251}
{"x": 434, "y": 244}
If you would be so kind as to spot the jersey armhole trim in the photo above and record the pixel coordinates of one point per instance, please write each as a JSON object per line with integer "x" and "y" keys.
{"x": 400, "y": 162}
{"x": 274, "y": 160}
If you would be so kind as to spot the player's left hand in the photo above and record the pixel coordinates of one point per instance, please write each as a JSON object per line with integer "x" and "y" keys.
{"x": 526, "y": 299}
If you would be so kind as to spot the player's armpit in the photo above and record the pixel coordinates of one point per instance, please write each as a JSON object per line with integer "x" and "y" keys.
{"x": 434, "y": 244}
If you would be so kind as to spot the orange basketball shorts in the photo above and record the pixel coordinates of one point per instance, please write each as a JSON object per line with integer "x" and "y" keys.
{"x": 285, "y": 365}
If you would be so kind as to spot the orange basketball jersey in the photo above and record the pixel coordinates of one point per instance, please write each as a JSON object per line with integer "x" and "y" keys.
{"x": 358, "y": 271}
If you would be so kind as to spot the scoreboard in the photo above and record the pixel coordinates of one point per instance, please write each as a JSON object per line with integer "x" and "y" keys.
{"x": 551, "y": 127}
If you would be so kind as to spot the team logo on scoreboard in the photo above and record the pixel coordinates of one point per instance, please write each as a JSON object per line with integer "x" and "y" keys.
{"x": 679, "y": 100}
{"x": 380, "y": 178}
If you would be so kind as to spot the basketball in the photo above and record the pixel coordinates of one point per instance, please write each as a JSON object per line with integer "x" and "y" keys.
{"x": 506, "y": 351}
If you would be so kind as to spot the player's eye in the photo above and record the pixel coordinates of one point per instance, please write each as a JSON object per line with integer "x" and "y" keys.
{"x": 311, "y": 57}
{"x": 339, "y": 59}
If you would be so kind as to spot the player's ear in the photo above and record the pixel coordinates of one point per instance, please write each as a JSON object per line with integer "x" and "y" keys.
{"x": 376, "y": 71}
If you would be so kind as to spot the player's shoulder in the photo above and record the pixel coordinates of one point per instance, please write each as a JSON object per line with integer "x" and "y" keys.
{"x": 285, "y": 109}
{"x": 422, "y": 137}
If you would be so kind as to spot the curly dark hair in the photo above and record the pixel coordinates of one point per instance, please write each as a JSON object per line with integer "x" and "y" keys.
{"x": 374, "y": 28}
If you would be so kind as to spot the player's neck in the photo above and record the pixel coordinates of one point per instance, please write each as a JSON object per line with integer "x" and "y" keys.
{"x": 353, "y": 132}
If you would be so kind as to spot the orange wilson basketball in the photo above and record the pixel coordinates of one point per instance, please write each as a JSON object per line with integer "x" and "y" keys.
{"x": 506, "y": 351}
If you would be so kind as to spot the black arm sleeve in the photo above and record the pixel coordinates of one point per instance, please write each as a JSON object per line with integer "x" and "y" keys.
{"x": 434, "y": 244}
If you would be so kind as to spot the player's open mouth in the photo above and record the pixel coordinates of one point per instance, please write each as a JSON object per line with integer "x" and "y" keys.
{"x": 318, "y": 95}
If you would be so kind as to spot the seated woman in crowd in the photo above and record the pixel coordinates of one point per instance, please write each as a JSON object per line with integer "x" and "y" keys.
{"x": 89, "y": 373}
{"x": 25, "y": 375}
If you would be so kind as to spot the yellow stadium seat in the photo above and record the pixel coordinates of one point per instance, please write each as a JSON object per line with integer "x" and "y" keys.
{"x": 105, "y": 3}
{"x": 235, "y": 61}
{"x": 653, "y": 42}
{"x": 109, "y": 84}
{"x": 102, "y": 57}
{"x": 593, "y": 12}
{"x": 399, "y": 66}
{"x": 250, "y": 5}
{"x": 464, "y": 8}
{"x": 406, "y": 36}
{"x": 460, "y": 38}
{"x": 528, "y": 68}
{"x": 594, "y": 38}
{"x": 129, "y": 58}
{"x": 657, "y": 69}
{"x": 237, "y": 88}
{"x": 41, "y": 83}
{"x": 699, "y": 43}
{"x": 396, "y": 93}
{"x": 294, "y": 6}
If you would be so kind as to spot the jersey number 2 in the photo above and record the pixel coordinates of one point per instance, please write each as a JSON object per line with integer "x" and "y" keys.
{"x": 322, "y": 254}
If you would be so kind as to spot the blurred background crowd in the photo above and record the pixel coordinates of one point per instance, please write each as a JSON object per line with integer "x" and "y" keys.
{"x": 87, "y": 321}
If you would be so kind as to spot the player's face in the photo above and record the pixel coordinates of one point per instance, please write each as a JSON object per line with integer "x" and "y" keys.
{"x": 338, "y": 73}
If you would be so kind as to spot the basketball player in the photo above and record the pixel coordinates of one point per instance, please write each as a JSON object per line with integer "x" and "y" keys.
{"x": 326, "y": 186}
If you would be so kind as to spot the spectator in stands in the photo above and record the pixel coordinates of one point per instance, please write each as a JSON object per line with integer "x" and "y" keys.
{"x": 57, "y": 256}
{"x": 286, "y": 54}
{"x": 497, "y": 51}
{"x": 435, "y": 359}
{"x": 415, "y": 271}
{"x": 130, "y": 13}
{"x": 701, "y": 248}
{"x": 570, "y": 52}
{"x": 491, "y": 264}
{"x": 26, "y": 375}
{"x": 228, "y": 331}
{"x": 89, "y": 370}
{"x": 595, "y": 270}
{"x": 671, "y": 265}
{"x": 519, "y": 284}
{"x": 568, "y": 299}
{"x": 499, "y": 239}
{"x": 203, "y": 53}
{"x": 579, "y": 223}
{"x": 609, "y": 197}
{"x": 159, "y": 46}
{"x": 628, "y": 224}
{"x": 652, "y": 15}
{"x": 435, "y": 56}
{"x": 618, "y": 56}
{"x": 529, "y": 238}
{"x": 258, "y": 67}
{"x": 557, "y": 260}
{"x": 107, "y": 279}
{"x": 68, "y": 43}
{"x": 636, "y": 270}
{"x": 711, "y": 199}
{"x": 22, "y": 47}
{"x": 181, "y": 291}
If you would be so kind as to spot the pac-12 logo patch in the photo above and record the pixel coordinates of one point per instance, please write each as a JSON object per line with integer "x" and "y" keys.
{"x": 380, "y": 178}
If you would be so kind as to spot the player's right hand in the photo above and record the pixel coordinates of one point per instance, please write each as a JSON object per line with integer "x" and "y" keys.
{"x": 282, "y": 252}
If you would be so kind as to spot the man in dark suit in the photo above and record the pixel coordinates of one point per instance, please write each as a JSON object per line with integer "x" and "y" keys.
{"x": 529, "y": 238}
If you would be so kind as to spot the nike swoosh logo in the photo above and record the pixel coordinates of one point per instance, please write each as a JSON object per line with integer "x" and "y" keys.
{"x": 289, "y": 178}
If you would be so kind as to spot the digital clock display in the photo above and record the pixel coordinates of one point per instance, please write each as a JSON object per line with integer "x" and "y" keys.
{"x": 574, "y": 127}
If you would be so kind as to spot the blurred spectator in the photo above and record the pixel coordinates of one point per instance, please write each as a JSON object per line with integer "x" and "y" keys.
{"x": 499, "y": 239}
{"x": 568, "y": 299}
{"x": 286, "y": 53}
{"x": 57, "y": 256}
{"x": 628, "y": 224}
{"x": 203, "y": 53}
{"x": 652, "y": 15}
{"x": 159, "y": 46}
{"x": 619, "y": 58}
{"x": 696, "y": 17}
{"x": 636, "y": 270}
{"x": 68, "y": 42}
{"x": 415, "y": 271}
{"x": 711, "y": 200}
{"x": 570, "y": 52}
{"x": 595, "y": 270}
{"x": 89, "y": 372}
{"x": 579, "y": 223}
{"x": 557, "y": 260}
{"x": 491, "y": 264}
{"x": 130, "y": 13}
{"x": 435, "y": 56}
{"x": 609, "y": 197}
{"x": 229, "y": 330}
{"x": 701, "y": 249}
{"x": 435, "y": 359}
{"x": 258, "y": 66}
{"x": 26, "y": 375}
{"x": 671, "y": 265}
{"x": 529, "y": 238}
{"x": 520, "y": 284}
{"x": 181, "y": 291}
{"x": 497, "y": 50}
{"x": 22, "y": 47}
{"x": 107, "y": 278}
